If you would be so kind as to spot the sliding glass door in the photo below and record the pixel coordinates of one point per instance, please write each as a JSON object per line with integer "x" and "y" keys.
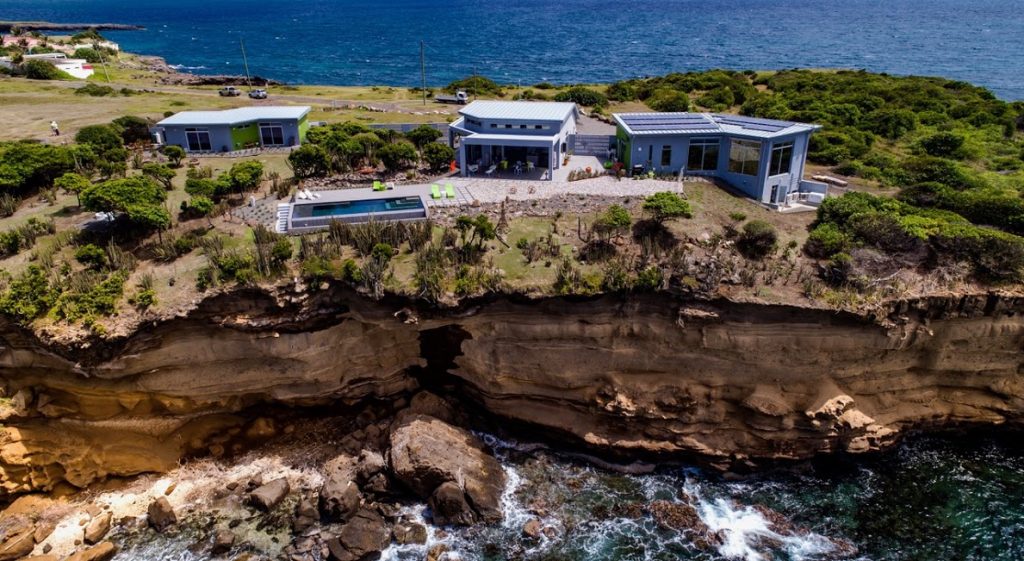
{"x": 198, "y": 140}
{"x": 271, "y": 134}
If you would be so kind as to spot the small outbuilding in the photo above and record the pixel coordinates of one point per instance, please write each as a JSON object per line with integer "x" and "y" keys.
{"x": 530, "y": 138}
{"x": 763, "y": 158}
{"x": 234, "y": 129}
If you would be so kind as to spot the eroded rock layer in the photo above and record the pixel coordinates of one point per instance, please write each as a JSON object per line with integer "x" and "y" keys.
{"x": 652, "y": 374}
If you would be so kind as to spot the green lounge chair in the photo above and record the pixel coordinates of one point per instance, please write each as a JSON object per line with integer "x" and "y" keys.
{"x": 449, "y": 190}
{"x": 435, "y": 191}
{"x": 378, "y": 186}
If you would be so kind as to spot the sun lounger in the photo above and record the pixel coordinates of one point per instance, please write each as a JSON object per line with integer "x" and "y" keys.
{"x": 435, "y": 191}
{"x": 490, "y": 170}
{"x": 378, "y": 186}
{"x": 449, "y": 190}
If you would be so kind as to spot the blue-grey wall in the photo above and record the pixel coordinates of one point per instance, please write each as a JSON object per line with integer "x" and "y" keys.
{"x": 220, "y": 135}
{"x": 758, "y": 187}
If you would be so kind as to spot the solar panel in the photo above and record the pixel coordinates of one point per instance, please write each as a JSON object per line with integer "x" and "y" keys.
{"x": 752, "y": 123}
{"x": 661, "y": 121}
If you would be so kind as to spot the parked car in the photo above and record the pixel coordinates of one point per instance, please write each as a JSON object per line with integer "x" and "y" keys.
{"x": 258, "y": 94}
{"x": 230, "y": 91}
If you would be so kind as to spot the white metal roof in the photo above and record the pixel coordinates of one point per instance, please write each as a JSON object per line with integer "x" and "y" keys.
{"x": 520, "y": 110}
{"x": 711, "y": 123}
{"x": 237, "y": 116}
{"x": 506, "y": 138}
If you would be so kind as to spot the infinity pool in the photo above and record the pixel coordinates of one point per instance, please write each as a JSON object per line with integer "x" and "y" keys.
{"x": 366, "y": 207}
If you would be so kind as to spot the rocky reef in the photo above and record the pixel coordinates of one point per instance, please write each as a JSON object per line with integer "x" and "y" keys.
{"x": 652, "y": 375}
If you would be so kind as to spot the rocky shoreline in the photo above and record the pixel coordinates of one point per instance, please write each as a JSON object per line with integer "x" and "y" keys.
{"x": 387, "y": 391}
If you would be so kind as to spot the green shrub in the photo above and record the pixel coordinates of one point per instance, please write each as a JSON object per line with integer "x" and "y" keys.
{"x": 94, "y": 90}
{"x": 438, "y": 156}
{"x": 826, "y": 240}
{"x": 397, "y": 156}
{"x": 309, "y": 160}
{"x": 423, "y": 135}
{"x": 476, "y": 85}
{"x": 649, "y": 279}
{"x": 666, "y": 205}
{"x": 28, "y": 296}
{"x": 175, "y": 154}
{"x": 943, "y": 145}
{"x": 583, "y": 96}
{"x": 757, "y": 239}
{"x": 669, "y": 100}
{"x": 42, "y": 70}
{"x": 92, "y": 256}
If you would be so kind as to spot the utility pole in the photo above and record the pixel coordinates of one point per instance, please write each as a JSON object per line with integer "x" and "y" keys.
{"x": 245, "y": 62}
{"x": 103, "y": 64}
{"x": 423, "y": 73}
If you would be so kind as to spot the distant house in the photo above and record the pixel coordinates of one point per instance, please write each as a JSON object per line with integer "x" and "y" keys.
{"x": 531, "y": 137}
{"x": 234, "y": 129}
{"x": 76, "y": 67}
{"x": 763, "y": 158}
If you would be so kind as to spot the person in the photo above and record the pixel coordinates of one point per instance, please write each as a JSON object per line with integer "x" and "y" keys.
{"x": 54, "y": 128}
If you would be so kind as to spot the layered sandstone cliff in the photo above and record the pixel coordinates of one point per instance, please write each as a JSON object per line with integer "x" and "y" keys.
{"x": 735, "y": 383}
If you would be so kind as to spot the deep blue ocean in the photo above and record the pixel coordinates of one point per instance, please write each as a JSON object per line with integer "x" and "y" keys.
{"x": 564, "y": 41}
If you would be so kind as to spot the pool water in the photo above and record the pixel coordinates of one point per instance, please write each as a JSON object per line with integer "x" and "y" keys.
{"x": 366, "y": 207}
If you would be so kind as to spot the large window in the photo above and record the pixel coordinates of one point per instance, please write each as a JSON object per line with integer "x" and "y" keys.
{"x": 198, "y": 140}
{"x": 703, "y": 155}
{"x": 666, "y": 155}
{"x": 782, "y": 158}
{"x": 271, "y": 134}
{"x": 744, "y": 156}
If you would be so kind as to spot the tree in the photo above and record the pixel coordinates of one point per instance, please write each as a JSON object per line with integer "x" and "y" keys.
{"x": 757, "y": 239}
{"x": 133, "y": 129}
{"x": 665, "y": 206}
{"x": 613, "y": 222}
{"x": 138, "y": 199}
{"x": 91, "y": 55}
{"x": 423, "y": 135}
{"x": 242, "y": 177}
{"x": 73, "y": 183}
{"x": 175, "y": 154}
{"x": 475, "y": 231}
{"x": 106, "y": 142}
{"x": 438, "y": 156}
{"x": 160, "y": 173}
{"x": 201, "y": 187}
{"x": 309, "y": 160}
{"x": 397, "y": 156}
{"x": 944, "y": 145}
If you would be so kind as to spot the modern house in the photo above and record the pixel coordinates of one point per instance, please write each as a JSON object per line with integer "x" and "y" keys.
{"x": 234, "y": 129}
{"x": 529, "y": 138}
{"x": 763, "y": 158}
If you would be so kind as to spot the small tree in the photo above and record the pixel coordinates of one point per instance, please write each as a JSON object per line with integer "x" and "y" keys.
{"x": 423, "y": 135}
{"x": 139, "y": 199}
{"x": 242, "y": 177}
{"x": 397, "y": 156}
{"x": 665, "y": 206}
{"x": 757, "y": 240}
{"x": 309, "y": 160}
{"x": 160, "y": 173}
{"x": 133, "y": 129}
{"x": 438, "y": 156}
{"x": 73, "y": 183}
{"x": 613, "y": 222}
{"x": 175, "y": 154}
{"x": 475, "y": 231}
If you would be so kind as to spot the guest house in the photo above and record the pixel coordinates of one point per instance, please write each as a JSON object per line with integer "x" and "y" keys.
{"x": 234, "y": 129}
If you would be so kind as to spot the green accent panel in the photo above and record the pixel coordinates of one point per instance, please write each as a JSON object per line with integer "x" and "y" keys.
{"x": 303, "y": 128}
{"x": 627, "y": 146}
{"x": 244, "y": 134}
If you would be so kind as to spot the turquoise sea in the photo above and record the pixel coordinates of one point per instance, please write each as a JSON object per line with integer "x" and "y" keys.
{"x": 527, "y": 41}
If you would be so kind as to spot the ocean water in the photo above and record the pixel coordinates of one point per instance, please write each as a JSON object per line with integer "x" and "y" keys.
{"x": 563, "y": 41}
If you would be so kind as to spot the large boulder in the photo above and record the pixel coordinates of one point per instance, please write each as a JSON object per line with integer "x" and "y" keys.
{"x": 99, "y": 552}
{"x": 266, "y": 497}
{"x": 340, "y": 497}
{"x": 16, "y": 537}
{"x": 161, "y": 515}
{"x": 98, "y": 528}
{"x": 362, "y": 537}
{"x": 427, "y": 452}
{"x": 448, "y": 506}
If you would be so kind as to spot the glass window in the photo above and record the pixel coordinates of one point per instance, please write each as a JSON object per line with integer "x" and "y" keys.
{"x": 666, "y": 155}
{"x": 782, "y": 158}
{"x": 271, "y": 134}
{"x": 703, "y": 155}
{"x": 198, "y": 140}
{"x": 744, "y": 156}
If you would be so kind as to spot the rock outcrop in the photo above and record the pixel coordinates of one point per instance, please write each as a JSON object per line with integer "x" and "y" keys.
{"x": 649, "y": 374}
{"x": 449, "y": 466}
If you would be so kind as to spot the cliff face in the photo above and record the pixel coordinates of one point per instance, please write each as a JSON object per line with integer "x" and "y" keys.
{"x": 731, "y": 382}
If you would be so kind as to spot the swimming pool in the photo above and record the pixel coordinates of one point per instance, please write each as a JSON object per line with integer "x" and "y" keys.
{"x": 375, "y": 206}
{"x": 351, "y": 208}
